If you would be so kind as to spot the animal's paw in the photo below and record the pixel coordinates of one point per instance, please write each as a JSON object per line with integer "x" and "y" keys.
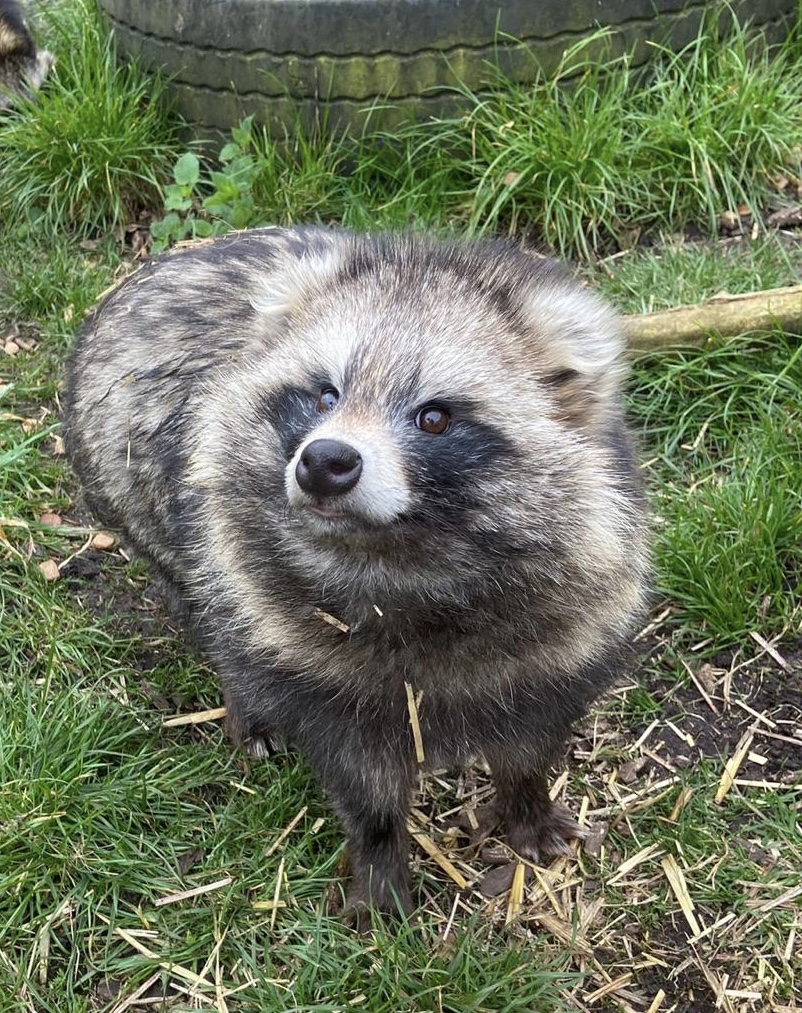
{"x": 547, "y": 834}
{"x": 261, "y": 746}
{"x": 358, "y": 915}
{"x": 363, "y": 917}
{"x": 254, "y": 738}
{"x": 388, "y": 907}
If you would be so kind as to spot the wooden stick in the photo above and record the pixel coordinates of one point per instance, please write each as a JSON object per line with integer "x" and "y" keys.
{"x": 724, "y": 315}
{"x": 195, "y": 718}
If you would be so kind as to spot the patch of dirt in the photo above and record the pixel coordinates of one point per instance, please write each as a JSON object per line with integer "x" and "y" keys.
{"x": 617, "y": 905}
{"x": 767, "y": 697}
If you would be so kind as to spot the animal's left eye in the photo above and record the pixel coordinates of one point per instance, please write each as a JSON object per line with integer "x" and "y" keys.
{"x": 433, "y": 420}
{"x": 328, "y": 399}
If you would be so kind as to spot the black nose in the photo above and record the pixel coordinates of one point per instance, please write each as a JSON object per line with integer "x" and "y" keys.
{"x": 328, "y": 468}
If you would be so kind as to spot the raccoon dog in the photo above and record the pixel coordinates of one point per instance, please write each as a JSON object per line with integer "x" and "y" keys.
{"x": 23, "y": 67}
{"x": 368, "y": 467}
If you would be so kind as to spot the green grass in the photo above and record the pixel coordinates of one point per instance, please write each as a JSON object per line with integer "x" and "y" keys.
{"x": 725, "y": 433}
{"x": 95, "y": 150}
{"x": 590, "y": 166}
{"x": 678, "y": 273}
{"x": 583, "y": 169}
{"x": 556, "y": 160}
{"x": 103, "y": 810}
{"x": 584, "y": 161}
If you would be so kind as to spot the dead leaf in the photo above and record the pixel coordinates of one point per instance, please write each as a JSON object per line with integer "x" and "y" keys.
{"x": 629, "y": 771}
{"x": 103, "y": 541}
{"x": 49, "y": 569}
{"x": 592, "y": 844}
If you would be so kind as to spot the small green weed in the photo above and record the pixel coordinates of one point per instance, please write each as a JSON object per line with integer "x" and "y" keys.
{"x": 229, "y": 205}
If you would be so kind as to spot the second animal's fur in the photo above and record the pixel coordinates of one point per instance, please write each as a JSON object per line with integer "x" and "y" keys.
{"x": 368, "y": 466}
{"x": 23, "y": 67}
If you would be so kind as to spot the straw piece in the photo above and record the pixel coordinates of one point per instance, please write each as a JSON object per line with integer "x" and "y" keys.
{"x": 286, "y": 831}
{"x": 781, "y": 901}
{"x": 431, "y": 849}
{"x": 635, "y": 860}
{"x": 332, "y": 621}
{"x": 412, "y": 707}
{"x": 770, "y": 649}
{"x": 132, "y": 999}
{"x": 174, "y": 898}
{"x": 657, "y": 1002}
{"x": 683, "y": 799}
{"x": 676, "y": 880}
{"x": 732, "y": 765}
{"x": 176, "y": 969}
{"x": 516, "y": 896}
{"x": 195, "y": 718}
{"x": 611, "y": 987}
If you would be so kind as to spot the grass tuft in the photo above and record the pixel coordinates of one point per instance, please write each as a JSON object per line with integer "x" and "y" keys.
{"x": 93, "y": 147}
{"x": 717, "y": 119}
{"x": 725, "y": 431}
{"x": 548, "y": 158}
{"x": 588, "y": 158}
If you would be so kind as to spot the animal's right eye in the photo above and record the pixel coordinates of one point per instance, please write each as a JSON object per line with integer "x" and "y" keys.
{"x": 328, "y": 399}
{"x": 433, "y": 420}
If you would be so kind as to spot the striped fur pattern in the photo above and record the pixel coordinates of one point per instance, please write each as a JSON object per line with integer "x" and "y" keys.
{"x": 421, "y": 440}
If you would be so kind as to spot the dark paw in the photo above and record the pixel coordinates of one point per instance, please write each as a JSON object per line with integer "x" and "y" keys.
{"x": 362, "y": 915}
{"x": 253, "y": 737}
{"x": 359, "y": 916}
{"x": 260, "y": 746}
{"x": 546, "y": 835}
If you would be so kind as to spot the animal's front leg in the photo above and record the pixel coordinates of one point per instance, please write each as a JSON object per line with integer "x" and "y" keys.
{"x": 364, "y": 764}
{"x": 536, "y": 827}
{"x": 369, "y": 790}
{"x": 246, "y": 722}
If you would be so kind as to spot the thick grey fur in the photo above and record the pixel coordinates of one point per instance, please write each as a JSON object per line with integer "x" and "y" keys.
{"x": 498, "y": 568}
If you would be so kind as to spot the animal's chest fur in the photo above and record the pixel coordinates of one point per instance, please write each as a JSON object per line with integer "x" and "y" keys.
{"x": 462, "y": 675}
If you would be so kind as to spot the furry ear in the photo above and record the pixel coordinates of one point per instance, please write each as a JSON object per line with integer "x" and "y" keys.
{"x": 581, "y": 343}
{"x": 292, "y": 279}
{"x": 23, "y": 67}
